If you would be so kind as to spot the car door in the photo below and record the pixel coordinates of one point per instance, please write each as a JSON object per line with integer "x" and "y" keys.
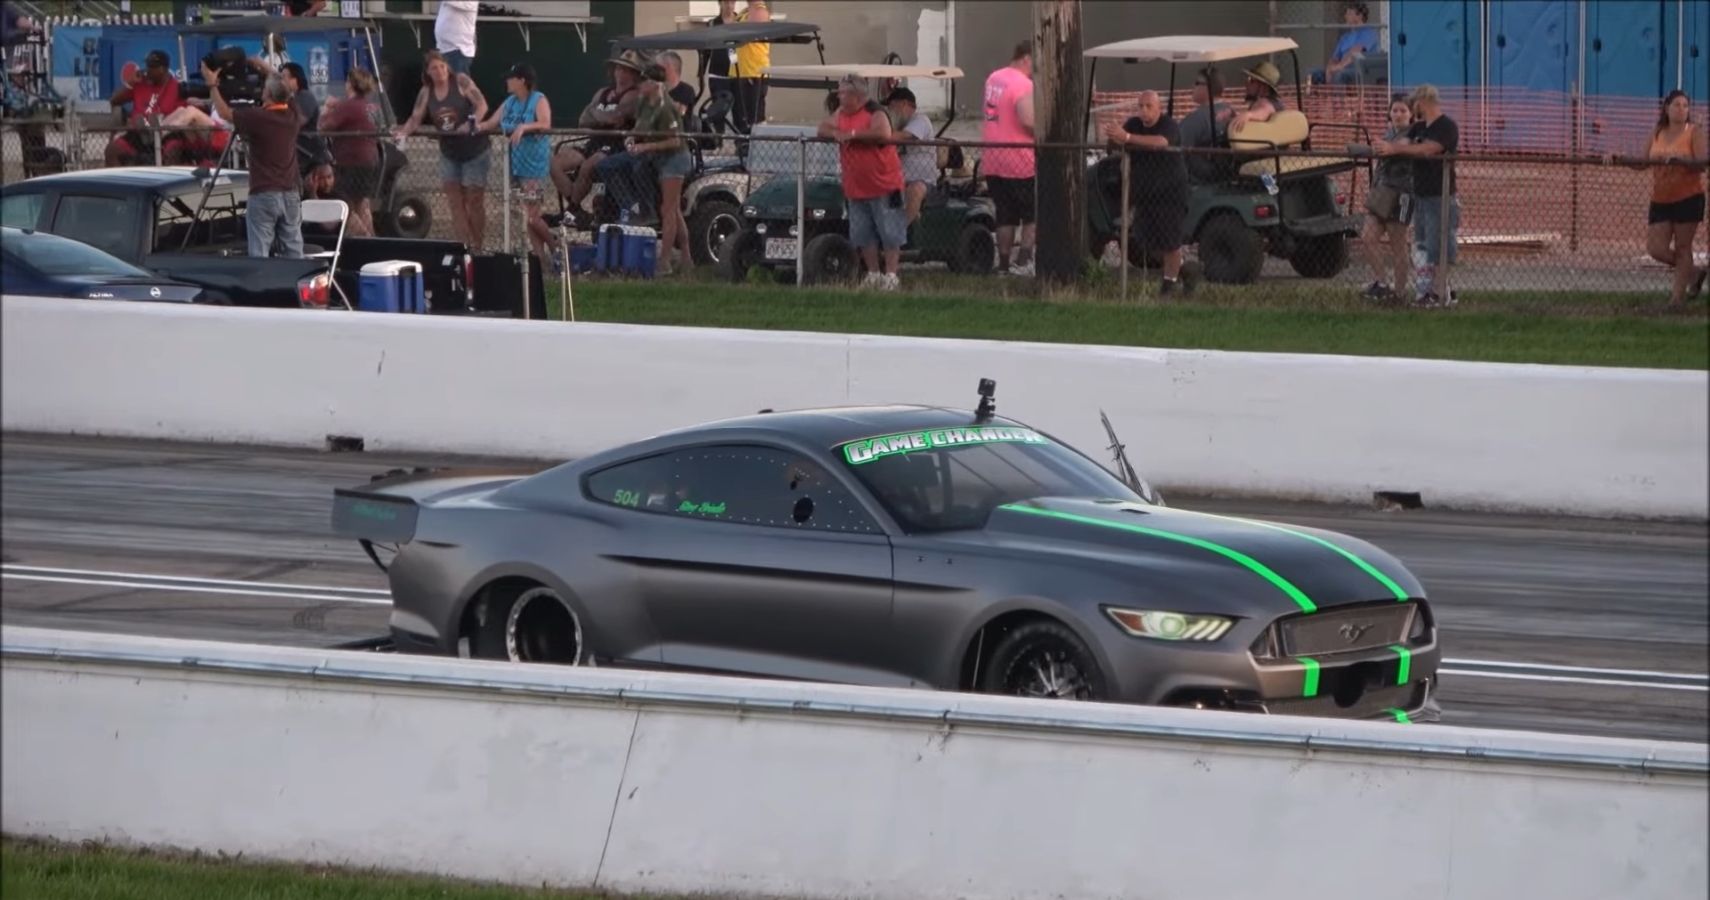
{"x": 757, "y": 560}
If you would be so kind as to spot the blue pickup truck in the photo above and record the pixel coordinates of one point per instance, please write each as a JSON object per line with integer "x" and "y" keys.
{"x": 188, "y": 225}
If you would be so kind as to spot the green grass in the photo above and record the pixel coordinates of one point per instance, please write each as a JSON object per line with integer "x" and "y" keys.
{"x": 1614, "y": 329}
{"x": 31, "y": 870}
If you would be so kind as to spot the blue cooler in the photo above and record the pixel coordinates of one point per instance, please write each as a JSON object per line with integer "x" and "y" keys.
{"x": 392, "y": 285}
{"x": 627, "y": 250}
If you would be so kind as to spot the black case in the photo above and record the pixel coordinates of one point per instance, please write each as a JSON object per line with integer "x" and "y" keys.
{"x": 498, "y": 286}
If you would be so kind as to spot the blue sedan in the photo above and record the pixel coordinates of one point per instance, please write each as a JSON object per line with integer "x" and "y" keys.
{"x": 34, "y": 263}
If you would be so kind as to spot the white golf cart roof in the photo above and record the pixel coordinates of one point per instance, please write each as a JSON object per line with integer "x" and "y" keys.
{"x": 1192, "y": 48}
{"x": 863, "y": 70}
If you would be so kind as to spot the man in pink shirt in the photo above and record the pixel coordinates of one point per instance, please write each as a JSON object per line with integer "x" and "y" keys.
{"x": 1009, "y": 171}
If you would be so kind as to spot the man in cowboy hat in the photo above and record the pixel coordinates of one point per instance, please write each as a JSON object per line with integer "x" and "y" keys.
{"x": 1263, "y": 101}
{"x": 612, "y": 109}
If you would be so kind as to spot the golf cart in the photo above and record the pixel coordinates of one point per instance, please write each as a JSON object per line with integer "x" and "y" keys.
{"x": 718, "y": 184}
{"x": 954, "y": 227}
{"x": 1287, "y": 207}
{"x": 397, "y": 212}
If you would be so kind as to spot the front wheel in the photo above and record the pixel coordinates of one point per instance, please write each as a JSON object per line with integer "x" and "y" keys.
{"x": 739, "y": 253}
{"x": 531, "y": 625}
{"x": 1231, "y": 252}
{"x": 710, "y": 225}
{"x": 828, "y": 259}
{"x": 1044, "y": 659}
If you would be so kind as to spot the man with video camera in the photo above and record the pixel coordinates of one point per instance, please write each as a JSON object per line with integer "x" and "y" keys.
{"x": 269, "y": 130}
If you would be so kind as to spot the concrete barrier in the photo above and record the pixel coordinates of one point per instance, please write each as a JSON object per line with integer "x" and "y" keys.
{"x": 1548, "y": 439}
{"x": 663, "y": 782}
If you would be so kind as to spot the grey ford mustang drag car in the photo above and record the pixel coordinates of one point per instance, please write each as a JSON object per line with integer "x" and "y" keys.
{"x": 901, "y": 546}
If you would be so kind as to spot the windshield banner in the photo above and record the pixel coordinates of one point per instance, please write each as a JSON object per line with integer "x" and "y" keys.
{"x": 869, "y": 449}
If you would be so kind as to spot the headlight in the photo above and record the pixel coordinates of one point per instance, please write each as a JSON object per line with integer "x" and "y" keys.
{"x": 760, "y": 228}
{"x": 1170, "y": 626}
{"x": 793, "y": 231}
{"x": 751, "y": 211}
{"x": 819, "y": 213}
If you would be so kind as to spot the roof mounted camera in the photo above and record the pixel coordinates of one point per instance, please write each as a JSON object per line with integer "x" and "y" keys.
{"x": 988, "y": 405}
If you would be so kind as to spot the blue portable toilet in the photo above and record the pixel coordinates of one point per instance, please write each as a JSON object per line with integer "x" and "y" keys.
{"x": 391, "y": 285}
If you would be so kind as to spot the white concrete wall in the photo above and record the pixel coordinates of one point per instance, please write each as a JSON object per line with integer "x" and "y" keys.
{"x": 535, "y": 774}
{"x": 1565, "y": 439}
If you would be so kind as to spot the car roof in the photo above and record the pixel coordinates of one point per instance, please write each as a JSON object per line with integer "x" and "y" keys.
{"x": 831, "y": 426}
{"x": 166, "y": 178}
{"x": 716, "y": 37}
{"x": 863, "y": 70}
{"x": 1191, "y": 48}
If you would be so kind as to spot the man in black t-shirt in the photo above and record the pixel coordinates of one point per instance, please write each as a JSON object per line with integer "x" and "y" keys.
{"x": 1433, "y": 134}
{"x": 1158, "y": 183}
{"x": 681, "y": 92}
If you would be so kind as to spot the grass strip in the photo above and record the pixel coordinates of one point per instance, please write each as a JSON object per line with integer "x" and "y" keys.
{"x": 1629, "y": 330}
{"x": 34, "y": 870}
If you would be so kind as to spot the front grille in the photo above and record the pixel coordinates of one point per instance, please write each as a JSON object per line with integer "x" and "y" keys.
{"x": 1347, "y": 629}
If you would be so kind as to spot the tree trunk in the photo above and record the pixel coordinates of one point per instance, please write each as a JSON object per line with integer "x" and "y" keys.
{"x": 1059, "y": 102}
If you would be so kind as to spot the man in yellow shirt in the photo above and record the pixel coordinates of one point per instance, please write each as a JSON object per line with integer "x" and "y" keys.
{"x": 748, "y": 72}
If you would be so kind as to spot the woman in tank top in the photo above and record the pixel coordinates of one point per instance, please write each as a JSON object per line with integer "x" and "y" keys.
{"x": 1677, "y": 194}
{"x": 454, "y": 106}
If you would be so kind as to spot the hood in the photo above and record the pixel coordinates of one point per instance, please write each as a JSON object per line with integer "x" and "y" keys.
{"x": 776, "y": 199}
{"x": 1268, "y": 568}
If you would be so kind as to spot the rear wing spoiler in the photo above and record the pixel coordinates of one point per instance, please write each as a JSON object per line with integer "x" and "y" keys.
{"x": 387, "y": 509}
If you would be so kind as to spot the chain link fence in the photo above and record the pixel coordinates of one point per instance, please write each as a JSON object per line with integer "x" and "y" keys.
{"x": 1529, "y": 221}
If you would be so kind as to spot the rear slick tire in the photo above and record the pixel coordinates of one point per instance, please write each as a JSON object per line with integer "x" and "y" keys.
{"x": 531, "y": 625}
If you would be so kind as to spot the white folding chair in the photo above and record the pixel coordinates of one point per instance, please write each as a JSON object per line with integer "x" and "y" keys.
{"x": 326, "y": 212}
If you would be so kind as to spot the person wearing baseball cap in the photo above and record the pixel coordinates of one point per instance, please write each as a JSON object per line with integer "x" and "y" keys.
{"x": 153, "y": 94}
{"x": 525, "y": 117}
{"x": 872, "y": 179}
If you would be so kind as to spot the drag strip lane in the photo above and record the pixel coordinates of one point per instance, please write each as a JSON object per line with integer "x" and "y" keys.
{"x": 1552, "y": 624}
{"x": 1451, "y": 668}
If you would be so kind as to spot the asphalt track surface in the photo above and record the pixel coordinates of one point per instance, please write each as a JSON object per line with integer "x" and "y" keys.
{"x": 233, "y": 543}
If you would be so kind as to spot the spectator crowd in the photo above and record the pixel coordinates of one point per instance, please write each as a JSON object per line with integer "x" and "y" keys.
{"x": 644, "y": 120}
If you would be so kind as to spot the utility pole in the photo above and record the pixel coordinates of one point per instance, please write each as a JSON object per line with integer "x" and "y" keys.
{"x": 1059, "y": 99}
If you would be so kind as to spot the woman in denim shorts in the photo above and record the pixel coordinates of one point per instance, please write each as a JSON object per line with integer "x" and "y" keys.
{"x": 525, "y": 117}
{"x": 455, "y": 106}
{"x": 660, "y": 143}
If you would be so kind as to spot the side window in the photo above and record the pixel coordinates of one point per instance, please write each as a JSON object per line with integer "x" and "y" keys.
{"x": 221, "y": 223}
{"x": 744, "y": 485}
{"x": 101, "y": 222}
{"x": 20, "y": 210}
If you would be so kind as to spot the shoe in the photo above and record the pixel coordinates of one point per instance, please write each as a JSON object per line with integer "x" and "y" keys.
{"x": 890, "y": 282}
{"x": 1377, "y": 290}
{"x": 1022, "y": 270}
{"x": 872, "y": 280}
{"x": 1167, "y": 287}
{"x": 1433, "y": 300}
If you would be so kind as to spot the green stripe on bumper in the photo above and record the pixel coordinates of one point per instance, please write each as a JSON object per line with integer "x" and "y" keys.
{"x": 1400, "y": 715}
{"x": 1309, "y": 687}
{"x": 1258, "y": 568}
{"x": 1388, "y": 583}
{"x": 1404, "y": 669}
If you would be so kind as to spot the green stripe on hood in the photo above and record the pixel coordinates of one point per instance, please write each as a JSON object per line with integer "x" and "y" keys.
{"x": 1258, "y": 568}
{"x": 1388, "y": 583}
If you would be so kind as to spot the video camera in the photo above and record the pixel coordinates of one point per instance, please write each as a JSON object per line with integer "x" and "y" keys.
{"x": 240, "y": 82}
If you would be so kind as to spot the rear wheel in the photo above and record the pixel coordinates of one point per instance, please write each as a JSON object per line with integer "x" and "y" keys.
{"x": 1231, "y": 252}
{"x": 976, "y": 250}
{"x": 532, "y": 624}
{"x": 1320, "y": 257}
{"x": 1044, "y": 659}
